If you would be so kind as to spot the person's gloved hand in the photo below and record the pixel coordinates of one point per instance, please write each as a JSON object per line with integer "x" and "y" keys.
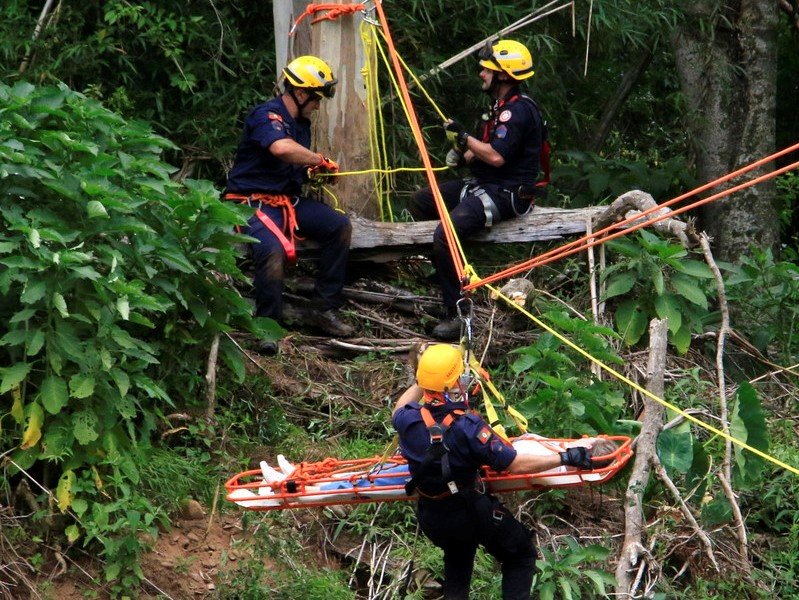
{"x": 325, "y": 165}
{"x": 577, "y": 457}
{"x": 454, "y": 159}
{"x": 456, "y": 133}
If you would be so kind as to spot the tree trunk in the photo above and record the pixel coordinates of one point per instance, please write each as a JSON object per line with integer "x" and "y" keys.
{"x": 340, "y": 129}
{"x": 728, "y": 74}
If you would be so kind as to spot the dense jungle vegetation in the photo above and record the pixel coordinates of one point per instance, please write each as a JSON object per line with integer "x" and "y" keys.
{"x": 119, "y": 269}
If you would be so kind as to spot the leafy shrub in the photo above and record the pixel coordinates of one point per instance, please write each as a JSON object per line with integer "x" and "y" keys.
{"x": 766, "y": 297}
{"x": 655, "y": 278}
{"x": 111, "y": 288}
{"x": 554, "y": 386}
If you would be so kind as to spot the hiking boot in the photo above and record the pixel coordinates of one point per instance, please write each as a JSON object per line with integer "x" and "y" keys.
{"x": 448, "y": 330}
{"x": 331, "y": 323}
{"x": 267, "y": 348}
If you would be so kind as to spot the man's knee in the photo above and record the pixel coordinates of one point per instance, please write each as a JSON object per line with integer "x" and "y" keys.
{"x": 421, "y": 205}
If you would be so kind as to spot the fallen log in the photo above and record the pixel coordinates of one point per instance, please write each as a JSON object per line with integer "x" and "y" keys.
{"x": 541, "y": 224}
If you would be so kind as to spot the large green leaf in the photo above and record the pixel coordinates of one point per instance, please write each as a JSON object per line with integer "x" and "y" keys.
{"x": 694, "y": 268}
{"x": 675, "y": 449}
{"x": 748, "y": 424}
{"x": 619, "y": 285}
{"x": 631, "y": 321}
{"x": 682, "y": 339}
{"x": 54, "y": 394}
{"x": 687, "y": 288}
{"x": 84, "y": 426}
{"x": 668, "y": 307}
{"x": 81, "y": 385}
{"x": 13, "y": 375}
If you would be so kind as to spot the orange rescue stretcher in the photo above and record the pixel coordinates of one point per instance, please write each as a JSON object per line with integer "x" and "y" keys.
{"x": 376, "y": 479}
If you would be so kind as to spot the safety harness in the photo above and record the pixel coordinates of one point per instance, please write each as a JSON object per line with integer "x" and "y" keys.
{"x": 524, "y": 192}
{"x": 288, "y": 234}
{"x": 434, "y": 479}
{"x": 546, "y": 149}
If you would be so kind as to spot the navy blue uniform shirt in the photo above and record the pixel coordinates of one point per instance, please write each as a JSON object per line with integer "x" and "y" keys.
{"x": 256, "y": 169}
{"x": 471, "y": 441}
{"x": 515, "y": 130}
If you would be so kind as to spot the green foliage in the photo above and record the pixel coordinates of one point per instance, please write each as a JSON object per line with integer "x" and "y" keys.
{"x": 564, "y": 574}
{"x": 253, "y": 581}
{"x": 553, "y": 392}
{"x": 748, "y": 424}
{"x": 654, "y": 278}
{"x": 109, "y": 293}
{"x": 766, "y": 298}
{"x": 190, "y": 69}
{"x": 608, "y": 178}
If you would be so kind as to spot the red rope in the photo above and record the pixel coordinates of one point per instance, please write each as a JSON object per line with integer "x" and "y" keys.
{"x": 593, "y": 239}
{"x": 446, "y": 224}
{"x": 334, "y": 12}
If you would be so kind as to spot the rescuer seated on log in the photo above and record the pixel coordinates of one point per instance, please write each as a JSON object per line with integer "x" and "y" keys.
{"x": 273, "y": 161}
{"x": 504, "y": 160}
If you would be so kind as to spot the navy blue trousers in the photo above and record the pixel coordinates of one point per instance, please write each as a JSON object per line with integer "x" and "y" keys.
{"x": 459, "y": 524}
{"x": 316, "y": 221}
{"x": 468, "y": 218}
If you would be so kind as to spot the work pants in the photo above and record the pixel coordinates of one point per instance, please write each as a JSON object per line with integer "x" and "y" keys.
{"x": 461, "y": 523}
{"x": 468, "y": 215}
{"x": 316, "y": 221}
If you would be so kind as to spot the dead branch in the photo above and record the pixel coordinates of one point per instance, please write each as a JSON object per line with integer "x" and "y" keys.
{"x": 614, "y": 104}
{"x": 720, "y": 342}
{"x": 634, "y": 202}
{"x": 40, "y": 24}
{"x": 740, "y": 528}
{"x": 726, "y": 476}
{"x": 632, "y": 547}
{"x": 686, "y": 511}
{"x": 210, "y": 378}
{"x": 788, "y": 9}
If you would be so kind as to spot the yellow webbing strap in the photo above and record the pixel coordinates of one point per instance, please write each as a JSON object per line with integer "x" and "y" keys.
{"x": 489, "y": 389}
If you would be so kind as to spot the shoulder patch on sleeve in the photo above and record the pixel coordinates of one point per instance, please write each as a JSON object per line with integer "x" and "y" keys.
{"x": 505, "y": 116}
{"x": 484, "y": 435}
{"x": 501, "y": 131}
{"x": 273, "y": 116}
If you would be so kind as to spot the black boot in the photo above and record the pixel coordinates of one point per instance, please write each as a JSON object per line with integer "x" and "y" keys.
{"x": 267, "y": 348}
{"x": 448, "y": 330}
{"x": 331, "y": 323}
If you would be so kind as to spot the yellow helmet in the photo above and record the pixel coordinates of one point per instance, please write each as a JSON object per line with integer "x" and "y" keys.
{"x": 311, "y": 74}
{"x": 439, "y": 368}
{"x": 508, "y": 57}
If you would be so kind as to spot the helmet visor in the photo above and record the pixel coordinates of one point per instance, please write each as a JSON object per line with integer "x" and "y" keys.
{"x": 326, "y": 91}
{"x": 486, "y": 55}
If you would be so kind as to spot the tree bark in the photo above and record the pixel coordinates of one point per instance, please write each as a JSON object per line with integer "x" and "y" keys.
{"x": 340, "y": 129}
{"x": 614, "y": 104}
{"x": 728, "y": 72}
{"x": 632, "y": 549}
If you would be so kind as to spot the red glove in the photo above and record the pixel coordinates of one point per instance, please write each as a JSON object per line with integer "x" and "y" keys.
{"x": 325, "y": 165}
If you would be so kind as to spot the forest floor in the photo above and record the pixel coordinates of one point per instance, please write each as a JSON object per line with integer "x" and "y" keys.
{"x": 316, "y": 378}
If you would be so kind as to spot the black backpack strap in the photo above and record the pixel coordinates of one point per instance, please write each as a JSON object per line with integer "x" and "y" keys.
{"x": 437, "y": 452}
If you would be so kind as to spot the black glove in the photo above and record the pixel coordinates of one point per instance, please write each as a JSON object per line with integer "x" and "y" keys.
{"x": 456, "y": 133}
{"x": 577, "y": 457}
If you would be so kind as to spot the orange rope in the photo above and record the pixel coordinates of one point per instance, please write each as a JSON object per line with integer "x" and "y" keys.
{"x": 591, "y": 240}
{"x": 446, "y": 224}
{"x": 335, "y": 11}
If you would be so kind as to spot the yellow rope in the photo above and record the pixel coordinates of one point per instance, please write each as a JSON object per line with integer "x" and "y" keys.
{"x": 644, "y": 391}
{"x": 369, "y": 77}
{"x": 419, "y": 85}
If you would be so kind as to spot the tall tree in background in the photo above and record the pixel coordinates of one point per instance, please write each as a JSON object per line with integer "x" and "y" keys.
{"x": 726, "y": 56}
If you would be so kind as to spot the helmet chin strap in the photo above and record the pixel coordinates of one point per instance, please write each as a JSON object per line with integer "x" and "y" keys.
{"x": 300, "y": 105}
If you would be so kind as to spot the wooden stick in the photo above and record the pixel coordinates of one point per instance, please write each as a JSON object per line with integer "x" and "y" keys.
{"x": 632, "y": 547}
